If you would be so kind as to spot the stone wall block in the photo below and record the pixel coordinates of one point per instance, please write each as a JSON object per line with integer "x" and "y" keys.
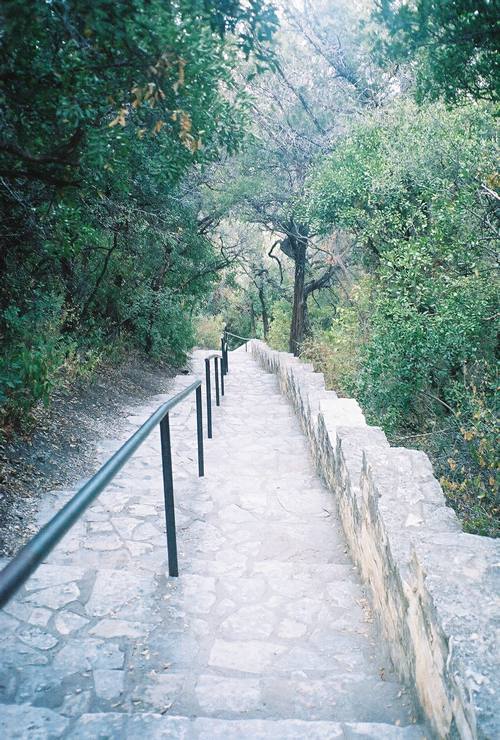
{"x": 351, "y": 442}
{"x": 461, "y": 573}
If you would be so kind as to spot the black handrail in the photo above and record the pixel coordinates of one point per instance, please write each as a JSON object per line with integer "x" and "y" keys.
{"x": 19, "y": 569}
{"x": 218, "y": 386}
{"x": 224, "y": 362}
{"x": 236, "y": 336}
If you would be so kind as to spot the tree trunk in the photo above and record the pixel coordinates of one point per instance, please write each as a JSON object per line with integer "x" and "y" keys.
{"x": 252, "y": 319}
{"x": 265, "y": 314}
{"x": 104, "y": 269}
{"x": 299, "y": 311}
{"x": 157, "y": 285}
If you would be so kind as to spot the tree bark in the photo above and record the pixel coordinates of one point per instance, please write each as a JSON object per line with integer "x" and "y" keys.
{"x": 252, "y": 319}
{"x": 298, "y": 243}
{"x": 156, "y": 286}
{"x": 264, "y": 311}
{"x": 88, "y": 302}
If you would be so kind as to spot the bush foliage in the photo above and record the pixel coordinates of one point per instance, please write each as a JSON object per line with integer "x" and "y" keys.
{"x": 109, "y": 113}
{"x": 414, "y": 186}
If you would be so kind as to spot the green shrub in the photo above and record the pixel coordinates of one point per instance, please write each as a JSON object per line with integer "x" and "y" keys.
{"x": 33, "y": 352}
{"x": 466, "y": 457}
{"x": 208, "y": 331}
{"x": 417, "y": 187}
{"x": 336, "y": 352}
{"x": 162, "y": 325}
{"x": 279, "y": 331}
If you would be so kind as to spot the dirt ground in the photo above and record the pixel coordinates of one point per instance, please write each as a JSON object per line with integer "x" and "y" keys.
{"x": 59, "y": 449}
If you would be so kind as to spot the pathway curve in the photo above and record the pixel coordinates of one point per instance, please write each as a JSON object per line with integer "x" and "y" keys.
{"x": 267, "y": 632}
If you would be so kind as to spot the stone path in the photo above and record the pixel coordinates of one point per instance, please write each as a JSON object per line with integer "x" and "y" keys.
{"x": 267, "y": 632}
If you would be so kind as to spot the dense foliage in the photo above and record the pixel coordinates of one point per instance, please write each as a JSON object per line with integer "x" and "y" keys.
{"x": 295, "y": 116}
{"x": 455, "y": 44}
{"x": 107, "y": 108}
{"x": 161, "y": 172}
{"x": 413, "y": 187}
{"x": 388, "y": 164}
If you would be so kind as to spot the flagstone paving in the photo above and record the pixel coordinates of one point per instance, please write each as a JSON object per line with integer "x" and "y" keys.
{"x": 265, "y": 634}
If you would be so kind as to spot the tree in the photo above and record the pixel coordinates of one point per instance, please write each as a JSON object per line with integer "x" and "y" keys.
{"x": 252, "y": 280}
{"x": 319, "y": 81}
{"x": 106, "y": 110}
{"x": 416, "y": 188}
{"x": 454, "y": 44}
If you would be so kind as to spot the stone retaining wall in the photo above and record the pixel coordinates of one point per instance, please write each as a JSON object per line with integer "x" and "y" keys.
{"x": 434, "y": 588}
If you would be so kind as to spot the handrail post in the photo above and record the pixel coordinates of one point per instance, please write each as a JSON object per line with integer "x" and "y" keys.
{"x": 209, "y": 399}
{"x": 168, "y": 490}
{"x": 223, "y": 363}
{"x": 36, "y": 550}
{"x": 222, "y": 375}
{"x": 199, "y": 427}
{"x": 217, "y": 392}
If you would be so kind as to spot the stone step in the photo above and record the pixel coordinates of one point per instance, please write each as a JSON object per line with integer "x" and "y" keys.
{"x": 266, "y": 634}
{"x": 34, "y": 723}
{"x": 277, "y": 569}
{"x": 333, "y": 697}
{"x": 291, "y": 729}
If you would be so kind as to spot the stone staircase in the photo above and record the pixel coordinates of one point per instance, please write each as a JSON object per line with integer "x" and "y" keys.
{"x": 35, "y": 722}
{"x": 267, "y": 633}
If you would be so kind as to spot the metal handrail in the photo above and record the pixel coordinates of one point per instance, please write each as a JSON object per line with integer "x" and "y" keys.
{"x": 225, "y": 343}
{"x": 19, "y": 569}
{"x": 245, "y": 339}
{"x": 218, "y": 387}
